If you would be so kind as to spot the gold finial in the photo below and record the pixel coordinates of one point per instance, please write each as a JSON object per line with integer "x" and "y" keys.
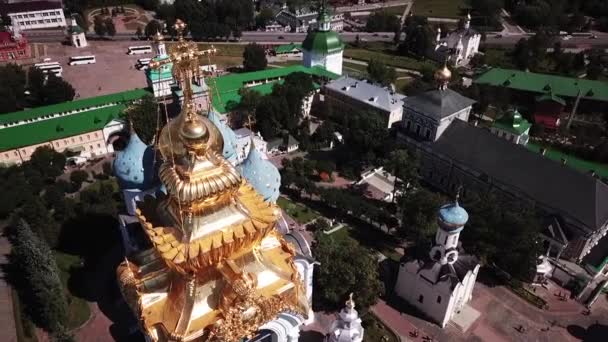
{"x": 443, "y": 75}
{"x": 158, "y": 37}
{"x": 350, "y": 303}
{"x": 250, "y": 122}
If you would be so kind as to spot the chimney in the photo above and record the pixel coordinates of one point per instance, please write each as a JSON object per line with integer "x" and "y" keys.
{"x": 543, "y": 151}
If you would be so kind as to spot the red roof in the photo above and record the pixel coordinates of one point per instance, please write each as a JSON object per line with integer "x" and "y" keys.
{"x": 5, "y": 38}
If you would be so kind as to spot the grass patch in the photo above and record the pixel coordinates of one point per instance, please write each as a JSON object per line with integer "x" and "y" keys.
{"x": 78, "y": 308}
{"x": 440, "y": 8}
{"x": 25, "y": 329}
{"x": 498, "y": 58}
{"x": 285, "y": 63}
{"x": 301, "y": 213}
{"x": 376, "y": 330}
{"x": 386, "y": 54}
{"x": 516, "y": 286}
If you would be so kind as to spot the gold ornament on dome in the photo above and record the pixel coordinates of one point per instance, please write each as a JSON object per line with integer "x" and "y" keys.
{"x": 217, "y": 269}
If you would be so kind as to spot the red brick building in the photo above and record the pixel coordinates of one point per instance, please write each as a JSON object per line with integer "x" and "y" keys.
{"x": 12, "y": 48}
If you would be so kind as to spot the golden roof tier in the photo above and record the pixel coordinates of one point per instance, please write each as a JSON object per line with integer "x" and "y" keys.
{"x": 217, "y": 269}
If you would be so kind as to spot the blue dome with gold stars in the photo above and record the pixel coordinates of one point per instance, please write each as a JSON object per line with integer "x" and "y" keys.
{"x": 134, "y": 165}
{"x": 228, "y": 135}
{"x": 262, "y": 175}
{"x": 452, "y": 216}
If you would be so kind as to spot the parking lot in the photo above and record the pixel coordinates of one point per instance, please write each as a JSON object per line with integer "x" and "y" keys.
{"x": 113, "y": 72}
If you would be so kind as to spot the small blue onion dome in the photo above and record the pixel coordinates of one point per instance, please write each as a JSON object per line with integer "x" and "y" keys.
{"x": 452, "y": 216}
{"x": 228, "y": 135}
{"x": 134, "y": 165}
{"x": 262, "y": 174}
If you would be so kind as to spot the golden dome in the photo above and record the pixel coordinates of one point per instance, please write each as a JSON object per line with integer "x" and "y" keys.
{"x": 170, "y": 142}
{"x": 194, "y": 128}
{"x": 443, "y": 74}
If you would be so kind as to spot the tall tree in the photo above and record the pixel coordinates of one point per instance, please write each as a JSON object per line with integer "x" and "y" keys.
{"x": 381, "y": 73}
{"x": 11, "y": 88}
{"x": 110, "y": 28}
{"x": 99, "y": 26}
{"x": 144, "y": 117}
{"x": 418, "y": 37}
{"x": 57, "y": 90}
{"x": 41, "y": 288}
{"x": 345, "y": 267}
{"x": 254, "y": 57}
{"x": 153, "y": 27}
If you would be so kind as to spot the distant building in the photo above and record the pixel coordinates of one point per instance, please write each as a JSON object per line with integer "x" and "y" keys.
{"x": 287, "y": 144}
{"x": 304, "y": 20}
{"x": 84, "y": 126}
{"x": 459, "y": 46}
{"x": 160, "y": 80}
{"x": 288, "y": 50}
{"x": 513, "y": 127}
{"x": 548, "y": 111}
{"x": 35, "y": 14}
{"x": 77, "y": 35}
{"x": 13, "y": 46}
{"x": 349, "y": 94}
{"x": 322, "y": 46}
{"x": 380, "y": 184}
{"x": 441, "y": 284}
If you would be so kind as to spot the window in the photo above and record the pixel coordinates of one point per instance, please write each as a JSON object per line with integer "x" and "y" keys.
{"x": 417, "y": 129}
{"x": 80, "y": 138}
{"x": 45, "y": 14}
{"x": 40, "y": 21}
{"x": 408, "y": 124}
{"x": 31, "y": 15}
{"x": 19, "y": 16}
{"x": 438, "y": 299}
{"x": 88, "y": 137}
{"x": 446, "y": 240}
{"x": 421, "y": 298}
{"x": 47, "y": 20}
{"x": 98, "y": 145}
{"x": 91, "y": 147}
{"x": 16, "y": 154}
{"x": 54, "y": 20}
{"x": 428, "y": 133}
{"x": 73, "y": 141}
{"x": 96, "y": 135}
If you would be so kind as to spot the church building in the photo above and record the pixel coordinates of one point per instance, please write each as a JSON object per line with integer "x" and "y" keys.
{"x": 441, "y": 284}
{"x": 459, "y": 46}
{"x": 322, "y": 46}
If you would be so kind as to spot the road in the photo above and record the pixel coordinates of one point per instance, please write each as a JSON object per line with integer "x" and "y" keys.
{"x": 275, "y": 38}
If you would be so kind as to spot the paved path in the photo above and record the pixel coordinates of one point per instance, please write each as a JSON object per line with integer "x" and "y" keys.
{"x": 7, "y": 317}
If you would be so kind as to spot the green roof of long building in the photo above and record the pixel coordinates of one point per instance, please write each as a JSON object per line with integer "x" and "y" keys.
{"x": 287, "y": 48}
{"x": 544, "y": 83}
{"x": 225, "y": 89}
{"x": 69, "y": 106}
{"x": 58, "y": 128}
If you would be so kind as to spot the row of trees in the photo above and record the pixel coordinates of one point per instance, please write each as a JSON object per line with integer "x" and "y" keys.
{"x": 382, "y": 21}
{"x": 104, "y": 26}
{"x": 564, "y": 15}
{"x": 209, "y": 19}
{"x": 43, "y": 89}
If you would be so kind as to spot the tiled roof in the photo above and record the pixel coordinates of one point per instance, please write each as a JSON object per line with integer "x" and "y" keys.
{"x": 543, "y": 83}
{"x": 57, "y": 128}
{"x": 438, "y": 104}
{"x": 225, "y": 89}
{"x": 578, "y": 195}
{"x": 69, "y": 106}
{"x": 371, "y": 94}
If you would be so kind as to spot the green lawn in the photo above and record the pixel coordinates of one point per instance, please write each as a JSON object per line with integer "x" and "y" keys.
{"x": 78, "y": 308}
{"x": 368, "y": 237}
{"x": 572, "y": 161}
{"x": 499, "y": 58}
{"x": 301, "y": 213}
{"x": 376, "y": 330}
{"x": 385, "y": 55}
{"x": 440, "y": 8}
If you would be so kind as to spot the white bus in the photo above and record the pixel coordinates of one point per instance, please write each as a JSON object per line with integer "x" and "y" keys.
{"x": 136, "y": 50}
{"x": 143, "y": 63}
{"x": 76, "y": 60}
{"x": 50, "y": 68}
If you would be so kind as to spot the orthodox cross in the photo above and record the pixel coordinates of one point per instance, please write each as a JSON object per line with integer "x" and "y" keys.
{"x": 185, "y": 58}
{"x": 250, "y": 122}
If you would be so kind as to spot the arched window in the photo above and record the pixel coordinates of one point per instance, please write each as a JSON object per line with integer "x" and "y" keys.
{"x": 438, "y": 299}
{"x": 421, "y": 298}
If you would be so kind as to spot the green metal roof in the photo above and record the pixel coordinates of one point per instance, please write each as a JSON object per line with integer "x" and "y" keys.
{"x": 512, "y": 122}
{"x": 225, "y": 88}
{"x": 58, "y": 128}
{"x": 64, "y": 107}
{"x": 75, "y": 29}
{"x": 551, "y": 97}
{"x": 323, "y": 42}
{"x": 573, "y": 162}
{"x": 163, "y": 73}
{"x": 288, "y": 48}
{"x": 543, "y": 83}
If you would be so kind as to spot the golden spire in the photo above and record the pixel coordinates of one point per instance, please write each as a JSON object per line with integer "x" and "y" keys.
{"x": 217, "y": 268}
